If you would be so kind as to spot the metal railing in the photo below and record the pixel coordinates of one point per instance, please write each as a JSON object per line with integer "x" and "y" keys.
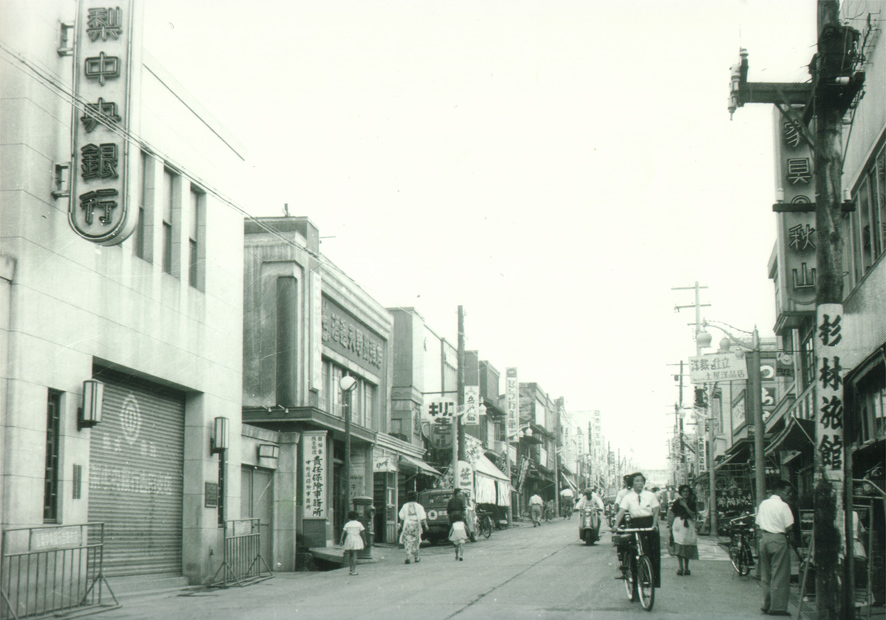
{"x": 52, "y": 568}
{"x": 243, "y": 561}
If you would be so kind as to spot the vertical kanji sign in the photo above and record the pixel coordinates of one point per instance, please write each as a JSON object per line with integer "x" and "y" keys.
{"x": 829, "y": 345}
{"x": 796, "y": 229}
{"x": 314, "y": 475}
{"x": 472, "y": 405}
{"x": 99, "y": 205}
{"x": 512, "y": 400}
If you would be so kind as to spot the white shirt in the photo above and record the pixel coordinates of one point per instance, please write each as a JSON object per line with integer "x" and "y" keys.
{"x": 535, "y": 500}
{"x": 412, "y": 510}
{"x": 774, "y": 516}
{"x": 639, "y": 505}
{"x": 620, "y": 496}
{"x": 594, "y": 501}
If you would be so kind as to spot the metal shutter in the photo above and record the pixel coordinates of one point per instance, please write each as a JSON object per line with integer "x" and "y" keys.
{"x": 135, "y": 482}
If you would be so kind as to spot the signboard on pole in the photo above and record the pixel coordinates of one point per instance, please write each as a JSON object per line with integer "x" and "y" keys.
{"x": 439, "y": 408}
{"x": 512, "y": 400}
{"x": 718, "y": 367}
{"x": 472, "y": 405}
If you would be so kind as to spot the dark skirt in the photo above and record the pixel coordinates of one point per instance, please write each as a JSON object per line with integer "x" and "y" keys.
{"x": 652, "y": 545}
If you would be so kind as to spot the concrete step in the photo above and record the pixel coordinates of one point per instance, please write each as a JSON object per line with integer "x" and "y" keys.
{"x": 148, "y": 585}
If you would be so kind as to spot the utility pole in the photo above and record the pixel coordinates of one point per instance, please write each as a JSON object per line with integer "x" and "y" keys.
{"x": 836, "y": 82}
{"x": 459, "y": 452}
{"x": 712, "y": 474}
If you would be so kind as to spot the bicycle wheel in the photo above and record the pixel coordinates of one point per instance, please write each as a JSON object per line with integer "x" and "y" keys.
{"x": 735, "y": 553}
{"x": 486, "y": 527}
{"x": 747, "y": 558}
{"x": 645, "y": 582}
{"x": 629, "y": 582}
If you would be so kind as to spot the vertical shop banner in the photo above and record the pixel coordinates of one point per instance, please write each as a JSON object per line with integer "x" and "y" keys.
{"x": 512, "y": 401}
{"x": 829, "y": 347}
{"x": 796, "y": 229}
{"x": 99, "y": 204}
{"x": 472, "y": 405}
{"x": 314, "y": 474}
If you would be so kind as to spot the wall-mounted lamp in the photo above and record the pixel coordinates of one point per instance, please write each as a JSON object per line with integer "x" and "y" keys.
{"x": 219, "y": 440}
{"x": 268, "y": 451}
{"x": 90, "y": 411}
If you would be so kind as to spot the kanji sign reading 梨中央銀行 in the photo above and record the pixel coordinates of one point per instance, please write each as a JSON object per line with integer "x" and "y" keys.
{"x": 99, "y": 203}
{"x": 718, "y": 367}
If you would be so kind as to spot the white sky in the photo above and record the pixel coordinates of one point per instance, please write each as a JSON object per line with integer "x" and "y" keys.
{"x": 554, "y": 167}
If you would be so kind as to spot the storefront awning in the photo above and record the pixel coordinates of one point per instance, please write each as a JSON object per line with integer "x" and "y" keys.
{"x": 738, "y": 453}
{"x": 407, "y": 462}
{"x": 568, "y": 483}
{"x": 486, "y": 467}
{"x": 797, "y": 435}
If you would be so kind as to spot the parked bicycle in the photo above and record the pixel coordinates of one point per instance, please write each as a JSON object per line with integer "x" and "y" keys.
{"x": 636, "y": 567}
{"x": 741, "y": 535}
{"x": 485, "y": 523}
{"x": 549, "y": 511}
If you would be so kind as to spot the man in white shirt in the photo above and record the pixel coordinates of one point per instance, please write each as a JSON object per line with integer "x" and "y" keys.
{"x": 774, "y": 522}
{"x": 590, "y": 499}
{"x": 536, "y": 504}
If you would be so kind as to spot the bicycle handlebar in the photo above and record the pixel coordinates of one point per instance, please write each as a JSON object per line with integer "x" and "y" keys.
{"x": 629, "y": 530}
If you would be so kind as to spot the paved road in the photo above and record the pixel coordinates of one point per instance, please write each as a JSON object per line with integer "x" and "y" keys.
{"x": 524, "y": 572}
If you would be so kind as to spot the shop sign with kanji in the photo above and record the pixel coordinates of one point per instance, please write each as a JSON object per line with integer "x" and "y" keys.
{"x": 99, "y": 205}
{"x": 314, "y": 475}
{"x": 718, "y": 367}
{"x": 512, "y": 400}
{"x": 829, "y": 351}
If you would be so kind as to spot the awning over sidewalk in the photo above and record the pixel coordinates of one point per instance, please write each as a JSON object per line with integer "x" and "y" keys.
{"x": 569, "y": 483}
{"x": 737, "y": 454}
{"x": 797, "y": 435}
{"x": 490, "y": 484}
{"x": 409, "y": 463}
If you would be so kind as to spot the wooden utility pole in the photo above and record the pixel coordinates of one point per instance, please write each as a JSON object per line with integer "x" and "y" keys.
{"x": 462, "y": 454}
{"x": 835, "y": 84}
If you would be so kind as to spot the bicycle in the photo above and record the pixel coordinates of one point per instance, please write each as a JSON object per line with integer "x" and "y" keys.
{"x": 636, "y": 567}
{"x": 740, "y": 550}
{"x": 549, "y": 511}
{"x": 485, "y": 523}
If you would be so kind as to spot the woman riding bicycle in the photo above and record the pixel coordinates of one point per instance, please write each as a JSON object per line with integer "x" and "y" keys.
{"x": 643, "y": 507}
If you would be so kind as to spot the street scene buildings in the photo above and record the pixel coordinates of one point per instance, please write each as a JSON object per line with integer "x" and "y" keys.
{"x": 192, "y": 392}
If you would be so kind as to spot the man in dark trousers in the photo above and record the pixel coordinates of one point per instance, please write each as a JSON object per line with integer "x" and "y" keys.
{"x": 456, "y": 507}
{"x": 774, "y": 523}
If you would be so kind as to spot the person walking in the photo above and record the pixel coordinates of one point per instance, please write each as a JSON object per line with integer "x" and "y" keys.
{"x": 352, "y": 539}
{"x": 413, "y": 521}
{"x": 681, "y": 523}
{"x": 643, "y": 508}
{"x": 536, "y": 504}
{"x": 774, "y": 522}
{"x": 456, "y": 506}
{"x": 458, "y": 536}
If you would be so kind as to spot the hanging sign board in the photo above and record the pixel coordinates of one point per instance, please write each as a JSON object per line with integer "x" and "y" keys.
{"x": 718, "y": 367}
{"x": 472, "y": 405}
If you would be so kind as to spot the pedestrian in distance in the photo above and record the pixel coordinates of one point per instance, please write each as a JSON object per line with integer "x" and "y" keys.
{"x": 536, "y": 504}
{"x": 643, "y": 508}
{"x": 456, "y": 506}
{"x": 774, "y": 523}
{"x": 681, "y": 523}
{"x": 353, "y": 539}
{"x": 458, "y": 536}
{"x": 414, "y": 522}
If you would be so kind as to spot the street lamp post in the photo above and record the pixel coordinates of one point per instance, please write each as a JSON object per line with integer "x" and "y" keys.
{"x": 347, "y": 385}
{"x": 755, "y": 399}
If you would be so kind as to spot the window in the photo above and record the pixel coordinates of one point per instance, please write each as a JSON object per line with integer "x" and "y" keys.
{"x": 872, "y": 400}
{"x": 50, "y": 476}
{"x": 168, "y": 192}
{"x": 141, "y": 238}
{"x": 807, "y": 359}
{"x": 196, "y": 258}
{"x": 868, "y": 222}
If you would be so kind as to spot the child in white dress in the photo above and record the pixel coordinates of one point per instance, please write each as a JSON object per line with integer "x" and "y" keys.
{"x": 458, "y": 536}
{"x": 352, "y": 539}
